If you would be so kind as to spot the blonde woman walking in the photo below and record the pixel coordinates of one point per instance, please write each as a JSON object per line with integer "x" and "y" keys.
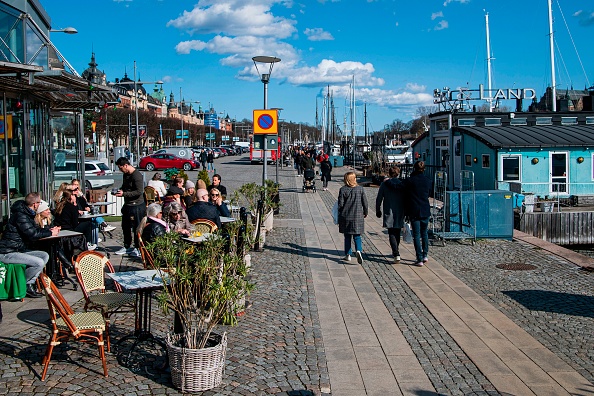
{"x": 352, "y": 211}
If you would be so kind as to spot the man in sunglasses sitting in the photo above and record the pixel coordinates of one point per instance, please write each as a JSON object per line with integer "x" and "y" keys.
{"x": 203, "y": 209}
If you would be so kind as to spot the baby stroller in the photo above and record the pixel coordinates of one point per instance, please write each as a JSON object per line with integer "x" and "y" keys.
{"x": 309, "y": 180}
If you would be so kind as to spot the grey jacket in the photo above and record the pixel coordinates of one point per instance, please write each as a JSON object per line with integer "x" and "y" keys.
{"x": 352, "y": 209}
{"x": 393, "y": 204}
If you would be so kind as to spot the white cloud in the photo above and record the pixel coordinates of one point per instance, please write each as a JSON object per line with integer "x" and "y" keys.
{"x": 436, "y": 15}
{"x": 414, "y": 87}
{"x": 446, "y": 2}
{"x": 235, "y": 18}
{"x": 317, "y": 34}
{"x": 331, "y": 72}
{"x": 586, "y": 18}
{"x": 386, "y": 98}
{"x": 441, "y": 25}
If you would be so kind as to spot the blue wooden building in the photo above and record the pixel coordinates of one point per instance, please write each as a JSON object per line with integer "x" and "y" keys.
{"x": 544, "y": 153}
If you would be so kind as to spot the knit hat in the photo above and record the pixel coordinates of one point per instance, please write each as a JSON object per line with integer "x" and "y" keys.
{"x": 190, "y": 184}
{"x": 42, "y": 206}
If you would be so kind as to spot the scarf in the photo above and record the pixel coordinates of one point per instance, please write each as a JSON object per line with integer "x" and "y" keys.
{"x": 156, "y": 220}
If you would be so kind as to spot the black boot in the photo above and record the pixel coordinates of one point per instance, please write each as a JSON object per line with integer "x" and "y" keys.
{"x": 32, "y": 293}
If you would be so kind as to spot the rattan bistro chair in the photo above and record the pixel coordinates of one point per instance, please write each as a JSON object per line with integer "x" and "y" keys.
{"x": 151, "y": 195}
{"x": 90, "y": 267}
{"x": 204, "y": 226}
{"x": 147, "y": 259}
{"x": 68, "y": 325}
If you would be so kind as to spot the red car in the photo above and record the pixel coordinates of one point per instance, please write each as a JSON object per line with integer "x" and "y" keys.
{"x": 166, "y": 161}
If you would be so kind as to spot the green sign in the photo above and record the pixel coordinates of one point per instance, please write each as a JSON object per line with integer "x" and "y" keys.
{"x": 271, "y": 142}
{"x": 210, "y": 136}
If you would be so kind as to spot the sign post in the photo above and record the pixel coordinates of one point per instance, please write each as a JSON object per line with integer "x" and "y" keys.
{"x": 265, "y": 123}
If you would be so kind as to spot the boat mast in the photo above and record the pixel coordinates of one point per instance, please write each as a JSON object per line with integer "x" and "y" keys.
{"x": 552, "y": 50}
{"x": 353, "y": 111}
{"x": 490, "y": 100}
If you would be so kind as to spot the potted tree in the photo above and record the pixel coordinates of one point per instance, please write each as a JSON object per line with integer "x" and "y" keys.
{"x": 203, "y": 284}
{"x": 251, "y": 194}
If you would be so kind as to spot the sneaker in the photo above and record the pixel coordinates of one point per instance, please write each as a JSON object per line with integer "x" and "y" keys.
{"x": 109, "y": 228}
{"x": 122, "y": 251}
{"x": 397, "y": 259}
{"x": 346, "y": 258}
{"x": 359, "y": 257}
{"x": 419, "y": 264}
{"x": 91, "y": 246}
{"x": 425, "y": 259}
{"x": 134, "y": 253}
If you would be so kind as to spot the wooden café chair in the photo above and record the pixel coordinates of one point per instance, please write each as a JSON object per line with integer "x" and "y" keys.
{"x": 204, "y": 226}
{"x": 151, "y": 195}
{"x": 147, "y": 259}
{"x": 68, "y": 325}
{"x": 90, "y": 267}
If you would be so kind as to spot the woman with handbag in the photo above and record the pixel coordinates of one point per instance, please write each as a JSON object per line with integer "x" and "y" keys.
{"x": 392, "y": 203}
{"x": 352, "y": 211}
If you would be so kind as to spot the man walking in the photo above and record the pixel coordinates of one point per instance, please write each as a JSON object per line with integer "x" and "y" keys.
{"x": 393, "y": 209}
{"x": 134, "y": 209}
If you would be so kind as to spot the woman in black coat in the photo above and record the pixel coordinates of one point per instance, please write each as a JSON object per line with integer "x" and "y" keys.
{"x": 66, "y": 216}
{"x": 325, "y": 170}
{"x": 352, "y": 211}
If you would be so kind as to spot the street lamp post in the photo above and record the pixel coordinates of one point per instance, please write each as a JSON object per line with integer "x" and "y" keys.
{"x": 265, "y": 78}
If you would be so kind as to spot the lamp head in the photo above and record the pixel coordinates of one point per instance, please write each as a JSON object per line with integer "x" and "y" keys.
{"x": 68, "y": 30}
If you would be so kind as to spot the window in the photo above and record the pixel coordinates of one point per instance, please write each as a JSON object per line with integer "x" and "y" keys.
{"x": 510, "y": 168}
{"x": 466, "y": 122}
{"x": 467, "y": 160}
{"x": 486, "y": 161}
{"x": 569, "y": 121}
{"x": 518, "y": 121}
{"x": 492, "y": 121}
{"x": 589, "y": 120}
{"x": 544, "y": 121}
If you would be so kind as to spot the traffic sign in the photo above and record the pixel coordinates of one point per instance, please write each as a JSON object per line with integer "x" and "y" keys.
{"x": 236, "y": 138}
{"x": 141, "y": 130}
{"x": 179, "y": 134}
{"x": 210, "y": 136}
{"x": 271, "y": 142}
{"x": 224, "y": 137}
{"x": 266, "y": 122}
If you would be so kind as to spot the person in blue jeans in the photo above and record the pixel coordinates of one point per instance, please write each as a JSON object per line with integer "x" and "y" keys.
{"x": 352, "y": 211}
{"x": 416, "y": 190}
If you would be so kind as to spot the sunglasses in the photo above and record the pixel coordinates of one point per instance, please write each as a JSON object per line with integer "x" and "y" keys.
{"x": 174, "y": 213}
{"x": 214, "y": 195}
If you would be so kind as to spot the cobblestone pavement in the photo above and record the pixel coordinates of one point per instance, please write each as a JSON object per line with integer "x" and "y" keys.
{"x": 277, "y": 348}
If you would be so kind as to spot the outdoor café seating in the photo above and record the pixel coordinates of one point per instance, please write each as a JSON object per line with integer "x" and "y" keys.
{"x": 69, "y": 325}
{"x": 204, "y": 226}
{"x": 90, "y": 270}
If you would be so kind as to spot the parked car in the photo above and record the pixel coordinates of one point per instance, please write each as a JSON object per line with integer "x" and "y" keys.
{"x": 95, "y": 172}
{"x": 182, "y": 152}
{"x": 166, "y": 161}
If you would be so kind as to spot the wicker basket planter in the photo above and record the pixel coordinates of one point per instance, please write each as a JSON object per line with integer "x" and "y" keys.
{"x": 196, "y": 370}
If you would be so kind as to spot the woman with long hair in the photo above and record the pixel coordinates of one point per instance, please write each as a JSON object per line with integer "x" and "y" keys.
{"x": 352, "y": 211}
{"x": 58, "y": 195}
{"x": 67, "y": 217}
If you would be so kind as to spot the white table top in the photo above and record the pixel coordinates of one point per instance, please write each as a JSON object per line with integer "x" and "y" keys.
{"x": 93, "y": 216}
{"x": 133, "y": 280}
{"x": 101, "y": 203}
{"x": 199, "y": 239}
{"x": 63, "y": 234}
{"x": 227, "y": 219}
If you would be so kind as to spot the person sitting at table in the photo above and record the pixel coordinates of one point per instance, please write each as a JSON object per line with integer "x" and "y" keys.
{"x": 58, "y": 195}
{"x": 217, "y": 200}
{"x": 152, "y": 225}
{"x": 45, "y": 219}
{"x": 20, "y": 234}
{"x": 189, "y": 194}
{"x": 203, "y": 209}
{"x": 178, "y": 182}
{"x": 83, "y": 206}
{"x": 176, "y": 218}
{"x": 216, "y": 183}
{"x": 67, "y": 217}
{"x": 174, "y": 194}
{"x": 158, "y": 185}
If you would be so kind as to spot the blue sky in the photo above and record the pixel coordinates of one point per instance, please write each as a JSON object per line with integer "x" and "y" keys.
{"x": 397, "y": 51}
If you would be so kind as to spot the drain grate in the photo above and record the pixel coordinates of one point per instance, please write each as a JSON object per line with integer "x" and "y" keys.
{"x": 516, "y": 266}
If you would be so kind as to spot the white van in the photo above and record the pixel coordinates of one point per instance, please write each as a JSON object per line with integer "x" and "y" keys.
{"x": 182, "y": 152}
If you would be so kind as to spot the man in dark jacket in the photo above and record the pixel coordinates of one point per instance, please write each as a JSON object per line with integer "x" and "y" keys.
{"x": 134, "y": 208}
{"x": 203, "y": 209}
{"x": 20, "y": 233}
{"x": 417, "y": 188}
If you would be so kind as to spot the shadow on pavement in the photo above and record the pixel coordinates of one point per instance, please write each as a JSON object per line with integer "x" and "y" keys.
{"x": 550, "y": 301}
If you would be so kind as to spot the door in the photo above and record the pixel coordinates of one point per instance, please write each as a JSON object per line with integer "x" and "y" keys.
{"x": 559, "y": 170}
{"x": 457, "y": 161}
